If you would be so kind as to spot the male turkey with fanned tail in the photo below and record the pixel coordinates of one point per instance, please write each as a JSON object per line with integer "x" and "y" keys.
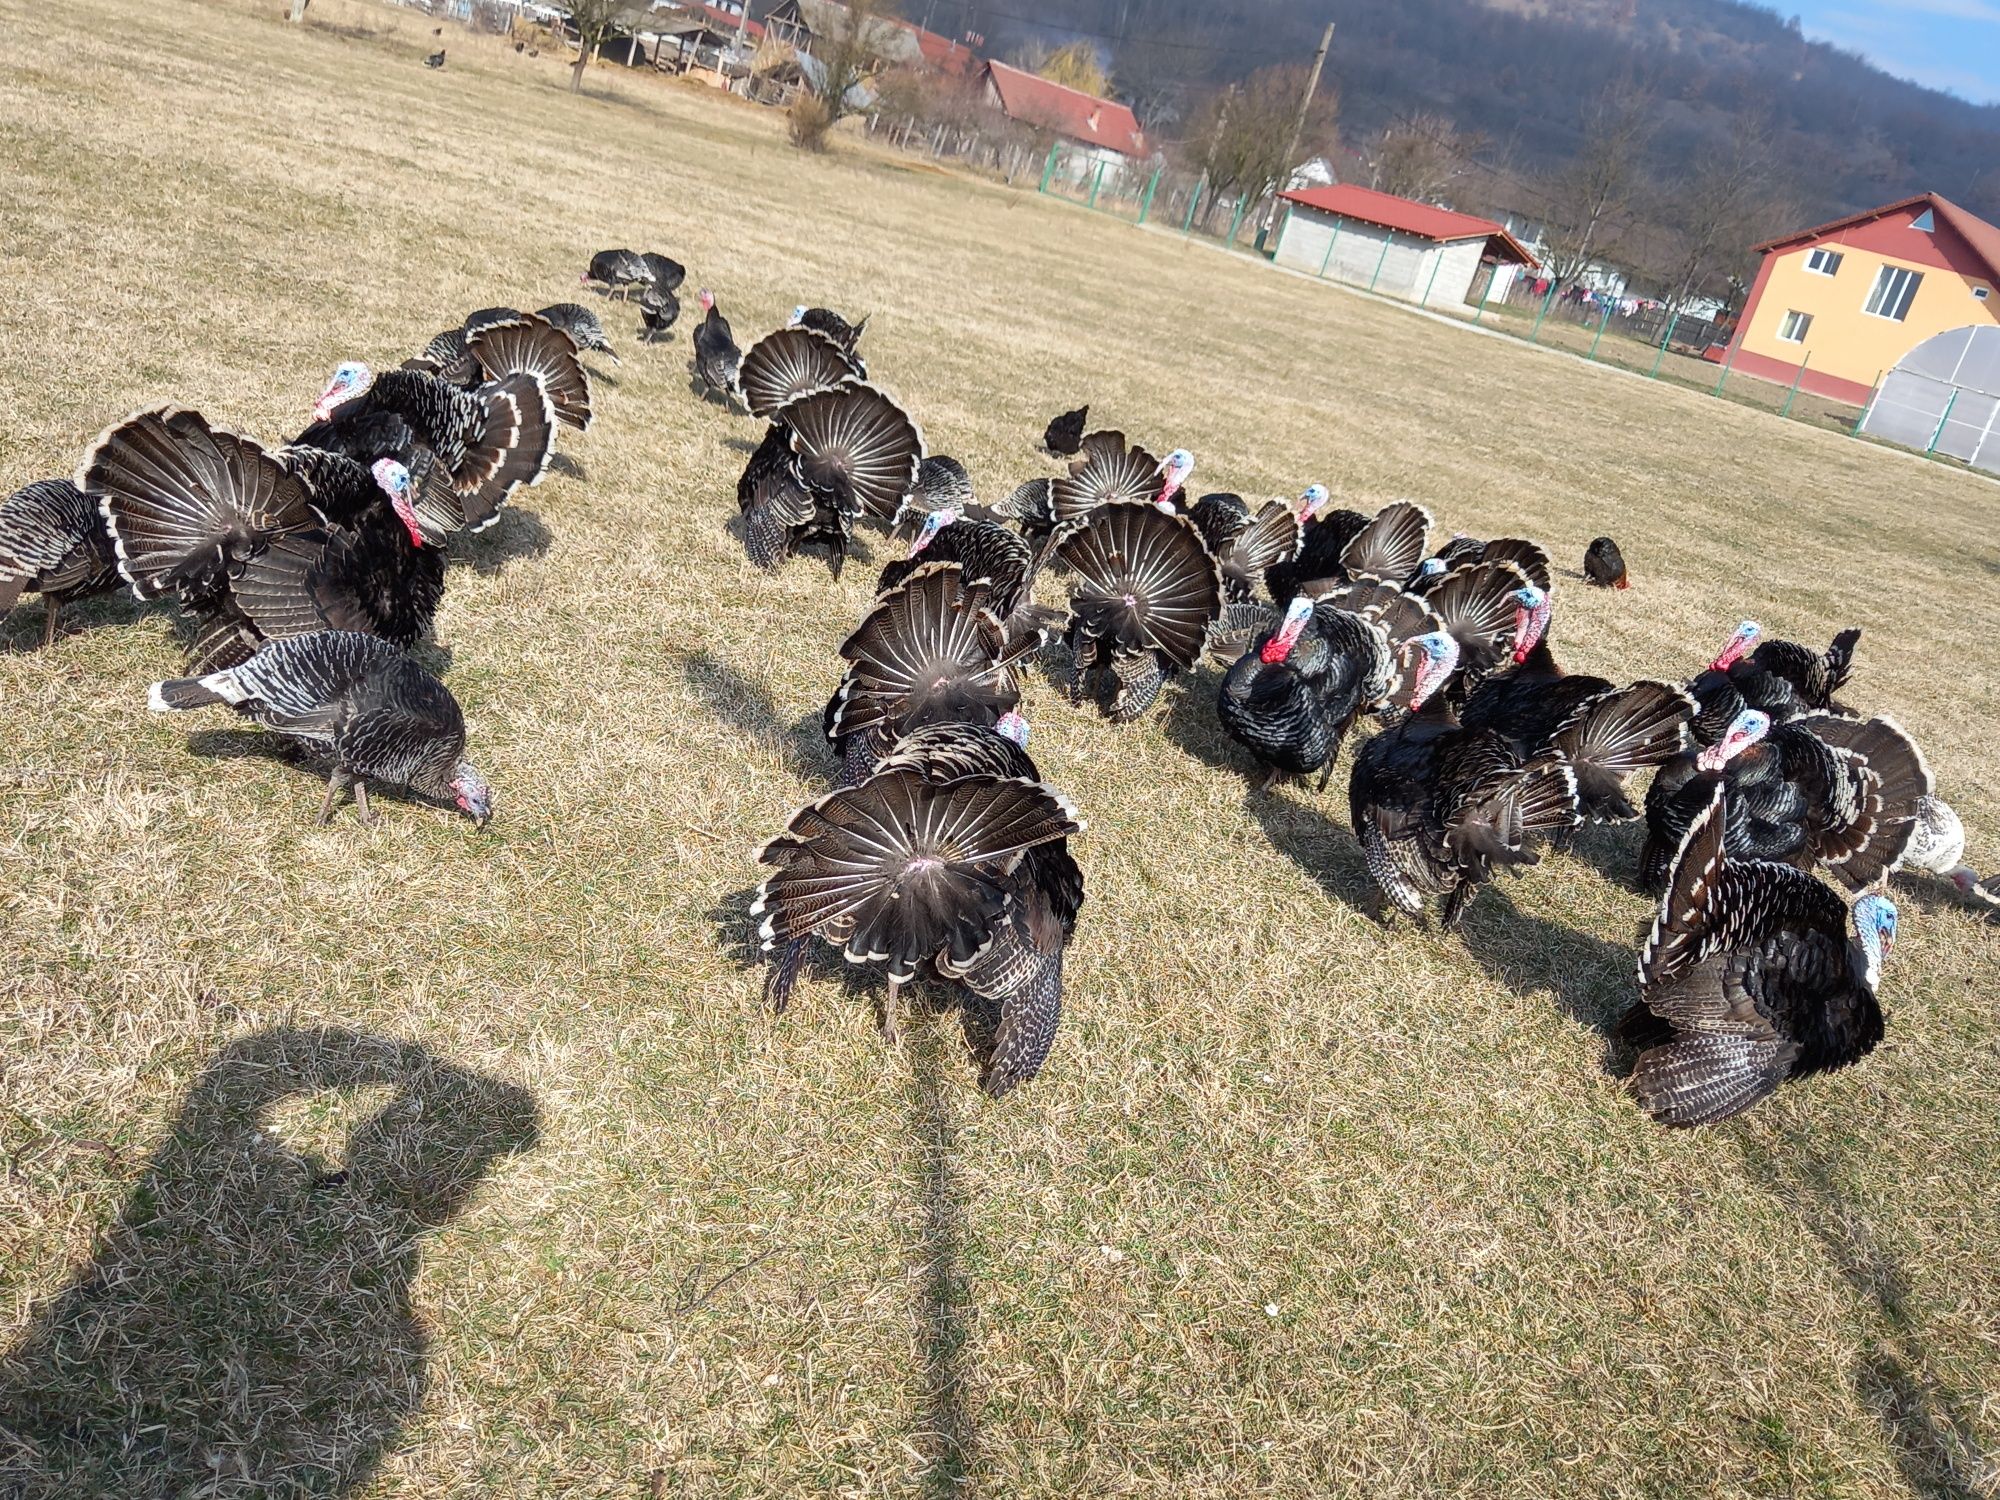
{"x": 53, "y": 542}
{"x": 359, "y": 700}
{"x": 949, "y": 862}
{"x": 827, "y": 460}
{"x": 256, "y": 545}
{"x": 1754, "y": 973}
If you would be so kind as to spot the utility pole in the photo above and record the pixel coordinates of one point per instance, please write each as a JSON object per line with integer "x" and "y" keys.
{"x": 1305, "y": 105}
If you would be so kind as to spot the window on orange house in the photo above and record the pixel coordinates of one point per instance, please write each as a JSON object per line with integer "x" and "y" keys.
{"x": 1895, "y": 287}
{"x": 1823, "y": 262}
{"x": 1793, "y": 329}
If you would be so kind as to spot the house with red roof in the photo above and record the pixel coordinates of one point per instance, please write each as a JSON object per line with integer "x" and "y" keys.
{"x": 806, "y": 24}
{"x": 1396, "y": 246}
{"x": 1835, "y": 307}
{"x": 1108, "y": 130}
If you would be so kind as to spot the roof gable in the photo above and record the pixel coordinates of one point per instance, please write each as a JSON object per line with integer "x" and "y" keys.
{"x": 1071, "y": 112}
{"x": 1982, "y": 238}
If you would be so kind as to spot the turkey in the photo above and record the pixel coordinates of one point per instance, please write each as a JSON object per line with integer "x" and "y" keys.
{"x": 826, "y": 460}
{"x": 716, "y": 356}
{"x": 1754, "y": 973}
{"x": 1063, "y": 437}
{"x": 357, "y": 699}
{"x": 435, "y": 60}
{"x": 1463, "y": 551}
{"x": 929, "y": 651}
{"x": 658, "y": 312}
{"x": 1145, "y": 597}
{"x": 1387, "y": 549}
{"x": 1437, "y": 807}
{"x": 257, "y": 545}
{"x": 584, "y": 327}
{"x": 785, "y": 366}
{"x": 1817, "y": 790}
{"x": 831, "y": 325}
{"x": 994, "y": 558}
{"x": 942, "y": 485}
{"x": 1247, "y": 547}
{"x": 53, "y": 542}
{"x": 1604, "y": 564}
{"x": 1607, "y": 733}
{"x": 950, "y": 862}
{"x": 467, "y": 451}
{"x": 1031, "y": 507}
{"x": 1782, "y": 678}
{"x": 620, "y": 271}
{"x": 527, "y": 343}
{"x": 1323, "y": 536}
{"x": 1108, "y": 472}
{"x": 1490, "y": 609}
{"x": 1293, "y": 696}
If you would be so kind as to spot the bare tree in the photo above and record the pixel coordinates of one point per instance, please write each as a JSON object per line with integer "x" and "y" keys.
{"x": 1154, "y": 76}
{"x": 1239, "y": 137}
{"x": 846, "y": 56}
{"x": 1710, "y": 217}
{"x": 1420, "y": 156}
{"x": 1590, "y": 198}
{"x": 591, "y": 21}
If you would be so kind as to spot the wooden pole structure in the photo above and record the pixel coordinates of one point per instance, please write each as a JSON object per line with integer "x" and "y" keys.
{"x": 1286, "y": 164}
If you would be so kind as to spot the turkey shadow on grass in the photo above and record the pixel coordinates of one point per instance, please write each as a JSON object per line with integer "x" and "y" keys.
{"x": 517, "y": 534}
{"x": 313, "y": 769}
{"x": 747, "y": 706}
{"x": 1300, "y": 827}
{"x": 1191, "y": 723}
{"x": 1590, "y": 978}
{"x": 568, "y": 467}
{"x": 740, "y": 445}
{"x": 1930, "y": 1427}
{"x": 21, "y": 628}
{"x": 1611, "y": 849}
{"x": 944, "y": 1312}
{"x": 246, "y": 1323}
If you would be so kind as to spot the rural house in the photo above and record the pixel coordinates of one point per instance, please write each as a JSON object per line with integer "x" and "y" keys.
{"x": 1396, "y": 246}
{"x": 804, "y": 24}
{"x": 1106, "y": 130}
{"x": 1847, "y": 300}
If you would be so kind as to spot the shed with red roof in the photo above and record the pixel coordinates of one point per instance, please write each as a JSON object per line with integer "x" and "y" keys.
{"x": 1106, "y": 127}
{"x": 1396, "y": 246}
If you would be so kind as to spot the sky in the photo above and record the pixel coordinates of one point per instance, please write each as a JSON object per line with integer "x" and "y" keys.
{"x": 1945, "y": 44}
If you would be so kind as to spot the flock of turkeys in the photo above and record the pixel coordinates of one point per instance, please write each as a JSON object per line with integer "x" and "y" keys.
{"x": 306, "y": 571}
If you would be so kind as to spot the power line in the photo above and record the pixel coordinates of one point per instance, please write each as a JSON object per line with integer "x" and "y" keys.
{"x": 986, "y": 11}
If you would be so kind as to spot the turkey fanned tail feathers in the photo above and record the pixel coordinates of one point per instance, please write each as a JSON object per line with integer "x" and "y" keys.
{"x": 532, "y": 345}
{"x": 788, "y": 365}
{"x": 1619, "y": 733}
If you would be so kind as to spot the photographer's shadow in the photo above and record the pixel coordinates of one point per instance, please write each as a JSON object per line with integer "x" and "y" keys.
{"x": 245, "y": 1326}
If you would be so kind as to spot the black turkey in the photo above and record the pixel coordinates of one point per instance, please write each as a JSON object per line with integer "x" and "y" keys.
{"x": 1387, "y": 549}
{"x": 1604, "y": 564}
{"x": 1247, "y": 547}
{"x": 258, "y": 545}
{"x": 620, "y": 271}
{"x": 1146, "y": 594}
{"x": 361, "y": 701}
{"x": 930, "y": 651}
{"x": 716, "y": 356}
{"x": 658, "y": 312}
{"x": 1754, "y": 973}
{"x": 942, "y": 485}
{"x": 435, "y": 60}
{"x": 1607, "y": 733}
{"x": 1323, "y": 536}
{"x": 1063, "y": 437}
{"x": 995, "y": 559}
{"x": 1108, "y": 471}
{"x": 530, "y": 344}
{"x": 467, "y": 451}
{"x": 1291, "y": 699}
{"x": 1819, "y": 790}
{"x": 1464, "y": 552}
{"x": 1490, "y": 609}
{"x": 826, "y": 460}
{"x": 937, "y": 871}
{"x": 1780, "y": 678}
{"x": 1438, "y": 807}
{"x": 584, "y": 327}
{"x": 53, "y": 542}
{"x": 785, "y": 366}
{"x": 1031, "y": 507}
{"x": 831, "y": 325}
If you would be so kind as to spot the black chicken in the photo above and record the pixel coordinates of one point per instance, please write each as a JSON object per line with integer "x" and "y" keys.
{"x": 951, "y": 861}
{"x": 1063, "y": 437}
{"x": 53, "y": 542}
{"x": 1146, "y": 594}
{"x": 1754, "y": 973}
{"x": 1604, "y": 564}
{"x": 361, "y": 700}
{"x": 1437, "y": 807}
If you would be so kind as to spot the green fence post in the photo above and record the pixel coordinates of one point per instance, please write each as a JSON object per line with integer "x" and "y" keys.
{"x": 1665, "y": 339}
{"x": 1931, "y": 447}
{"x": 1146, "y": 202}
{"x": 1535, "y": 333}
{"x": 1728, "y": 362}
{"x": 1187, "y": 225}
{"x": 1049, "y": 170}
{"x": 1792, "y": 394}
{"x": 1327, "y": 259}
{"x": 1387, "y": 240}
{"x": 1868, "y": 405}
{"x": 1096, "y": 184}
{"x": 1602, "y": 324}
{"x": 1436, "y": 262}
{"x": 1486, "y": 291}
{"x": 1235, "y": 222}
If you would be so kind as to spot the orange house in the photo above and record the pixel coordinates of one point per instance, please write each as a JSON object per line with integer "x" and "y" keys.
{"x": 1850, "y": 298}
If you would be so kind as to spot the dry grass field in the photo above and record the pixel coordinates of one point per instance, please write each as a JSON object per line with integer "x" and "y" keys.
{"x": 1299, "y": 1207}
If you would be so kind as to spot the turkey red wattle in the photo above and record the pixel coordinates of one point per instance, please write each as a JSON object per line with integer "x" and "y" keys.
{"x": 1531, "y": 619}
